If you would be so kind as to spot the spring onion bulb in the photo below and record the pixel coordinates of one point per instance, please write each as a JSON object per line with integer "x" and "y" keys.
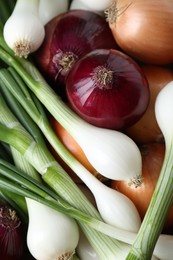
{"x": 114, "y": 207}
{"x": 51, "y": 235}
{"x": 112, "y": 153}
{"x": 48, "y": 11}
{"x": 79, "y": 5}
{"x": 163, "y": 249}
{"x": 118, "y": 210}
{"x": 23, "y": 31}
{"x": 84, "y": 249}
{"x": 49, "y": 232}
{"x": 97, "y": 5}
{"x": 164, "y": 110}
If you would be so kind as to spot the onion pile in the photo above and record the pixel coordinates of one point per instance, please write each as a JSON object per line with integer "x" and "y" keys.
{"x": 108, "y": 74}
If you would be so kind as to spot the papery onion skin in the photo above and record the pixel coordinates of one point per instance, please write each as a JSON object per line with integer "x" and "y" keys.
{"x": 75, "y": 33}
{"x": 11, "y": 234}
{"x": 108, "y": 89}
{"x": 152, "y": 159}
{"x": 143, "y": 29}
{"x": 146, "y": 130}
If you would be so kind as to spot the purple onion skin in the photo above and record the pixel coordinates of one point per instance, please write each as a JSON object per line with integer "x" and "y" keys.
{"x": 115, "y": 102}
{"x": 77, "y": 32}
{"x": 11, "y": 235}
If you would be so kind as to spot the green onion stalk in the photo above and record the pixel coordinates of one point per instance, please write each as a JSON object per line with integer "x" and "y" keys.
{"x": 16, "y": 201}
{"x": 37, "y": 154}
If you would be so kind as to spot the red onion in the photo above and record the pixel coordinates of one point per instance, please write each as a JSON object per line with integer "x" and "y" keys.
{"x": 69, "y": 36}
{"x": 108, "y": 89}
{"x": 11, "y": 234}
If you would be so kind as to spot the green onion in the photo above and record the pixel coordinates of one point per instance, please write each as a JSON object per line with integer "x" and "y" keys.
{"x": 14, "y": 134}
{"x": 18, "y": 29}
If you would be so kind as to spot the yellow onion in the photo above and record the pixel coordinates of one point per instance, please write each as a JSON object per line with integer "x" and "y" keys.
{"x": 143, "y": 29}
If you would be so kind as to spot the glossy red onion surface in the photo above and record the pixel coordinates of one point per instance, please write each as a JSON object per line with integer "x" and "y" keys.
{"x": 11, "y": 234}
{"x": 108, "y": 89}
{"x": 69, "y": 36}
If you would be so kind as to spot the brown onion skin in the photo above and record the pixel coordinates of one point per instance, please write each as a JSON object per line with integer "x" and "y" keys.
{"x": 146, "y": 130}
{"x": 152, "y": 159}
{"x": 77, "y": 31}
{"x": 144, "y": 29}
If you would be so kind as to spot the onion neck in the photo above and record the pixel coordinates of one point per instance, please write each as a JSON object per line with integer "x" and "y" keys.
{"x": 103, "y": 77}
{"x": 8, "y": 218}
{"x": 66, "y": 256}
{"x": 113, "y": 12}
{"x": 136, "y": 181}
{"x": 23, "y": 5}
{"x": 64, "y": 61}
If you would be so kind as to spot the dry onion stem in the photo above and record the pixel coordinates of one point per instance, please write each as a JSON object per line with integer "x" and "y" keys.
{"x": 113, "y": 12}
